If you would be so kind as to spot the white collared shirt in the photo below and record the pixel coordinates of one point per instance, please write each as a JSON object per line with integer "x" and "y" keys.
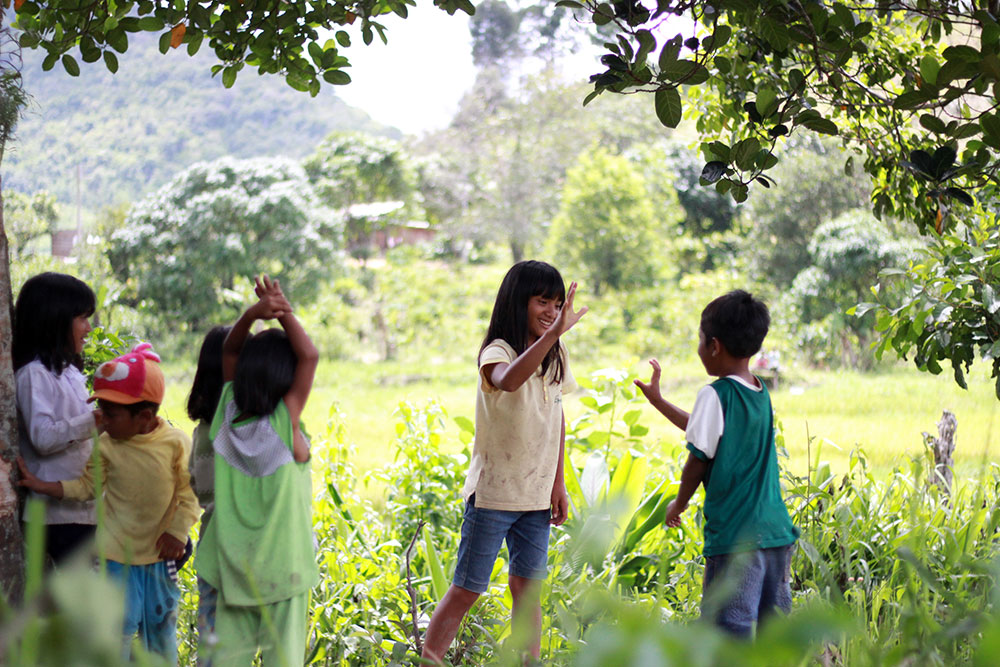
{"x": 706, "y": 423}
{"x": 55, "y": 433}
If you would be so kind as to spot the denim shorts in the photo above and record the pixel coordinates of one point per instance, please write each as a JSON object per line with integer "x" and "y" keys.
{"x": 744, "y": 589}
{"x": 483, "y": 533}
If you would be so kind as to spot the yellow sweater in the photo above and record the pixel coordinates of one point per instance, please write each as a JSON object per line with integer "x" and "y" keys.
{"x": 147, "y": 492}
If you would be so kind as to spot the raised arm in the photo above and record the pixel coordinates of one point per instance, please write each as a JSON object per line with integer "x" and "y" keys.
{"x": 651, "y": 390}
{"x": 307, "y": 358}
{"x": 271, "y": 304}
{"x": 510, "y": 377}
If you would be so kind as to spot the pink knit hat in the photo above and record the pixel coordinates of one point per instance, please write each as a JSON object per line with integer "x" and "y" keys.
{"x": 130, "y": 378}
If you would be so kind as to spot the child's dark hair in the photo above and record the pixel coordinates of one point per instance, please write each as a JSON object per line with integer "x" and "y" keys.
{"x": 509, "y": 321}
{"x": 136, "y": 408}
{"x": 264, "y": 372}
{"x": 43, "y": 320}
{"x": 738, "y": 321}
{"x": 207, "y": 385}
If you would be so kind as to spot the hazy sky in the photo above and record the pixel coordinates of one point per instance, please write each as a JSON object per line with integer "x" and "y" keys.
{"x": 415, "y": 81}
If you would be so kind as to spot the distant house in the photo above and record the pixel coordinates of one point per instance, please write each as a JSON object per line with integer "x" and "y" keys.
{"x": 63, "y": 241}
{"x": 376, "y": 225}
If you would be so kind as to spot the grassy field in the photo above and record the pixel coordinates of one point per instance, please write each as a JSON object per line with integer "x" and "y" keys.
{"x": 884, "y": 412}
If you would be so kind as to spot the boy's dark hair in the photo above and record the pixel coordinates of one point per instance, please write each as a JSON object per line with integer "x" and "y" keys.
{"x": 136, "y": 408}
{"x": 264, "y": 373}
{"x": 738, "y": 321}
{"x": 43, "y": 320}
{"x": 207, "y": 385}
{"x": 509, "y": 321}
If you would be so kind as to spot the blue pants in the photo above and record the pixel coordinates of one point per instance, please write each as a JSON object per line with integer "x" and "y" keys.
{"x": 151, "y": 596}
{"x": 744, "y": 589}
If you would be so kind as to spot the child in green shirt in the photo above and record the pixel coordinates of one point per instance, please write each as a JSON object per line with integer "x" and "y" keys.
{"x": 730, "y": 433}
{"x": 257, "y": 549}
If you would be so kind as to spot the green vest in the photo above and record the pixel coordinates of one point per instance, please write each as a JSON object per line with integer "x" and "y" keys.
{"x": 743, "y": 507}
{"x": 258, "y": 546}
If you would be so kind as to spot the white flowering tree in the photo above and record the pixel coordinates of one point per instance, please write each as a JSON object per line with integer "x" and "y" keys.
{"x": 184, "y": 249}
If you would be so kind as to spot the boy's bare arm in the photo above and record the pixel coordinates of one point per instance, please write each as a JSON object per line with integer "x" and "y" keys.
{"x": 691, "y": 477}
{"x": 651, "y": 391}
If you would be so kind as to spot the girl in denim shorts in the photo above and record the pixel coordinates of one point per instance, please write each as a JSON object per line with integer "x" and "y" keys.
{"x": 514, "y": 489}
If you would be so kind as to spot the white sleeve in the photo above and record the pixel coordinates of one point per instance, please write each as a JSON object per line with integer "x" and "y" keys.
{"x": 706, "y": 423}
{"x": 48, "y": 431}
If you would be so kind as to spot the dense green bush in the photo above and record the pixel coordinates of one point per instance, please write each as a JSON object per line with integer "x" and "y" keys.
{"x": 887, "y": 571}
{"x": 847, "y": 254}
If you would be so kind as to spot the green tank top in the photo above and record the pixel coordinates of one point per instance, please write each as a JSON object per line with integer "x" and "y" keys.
{"x": 258, "y": 546}
{"x": 743, "y": 507}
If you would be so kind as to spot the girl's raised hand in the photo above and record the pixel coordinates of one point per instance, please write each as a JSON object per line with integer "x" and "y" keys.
{"x": 567, "y": 316}
{"x": 272, "y": 303}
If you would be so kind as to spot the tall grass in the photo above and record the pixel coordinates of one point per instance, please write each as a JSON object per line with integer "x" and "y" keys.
{"x": 888, "y": 571}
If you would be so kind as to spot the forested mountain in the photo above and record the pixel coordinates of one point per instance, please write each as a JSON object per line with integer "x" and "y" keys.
{"x": 131, "y": 131}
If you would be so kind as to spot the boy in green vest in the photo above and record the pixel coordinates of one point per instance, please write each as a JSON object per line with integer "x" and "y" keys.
{"x": 730, "y": 439}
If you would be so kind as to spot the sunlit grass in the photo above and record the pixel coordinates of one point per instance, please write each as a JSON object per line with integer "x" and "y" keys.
{"x": 884, "y": 412}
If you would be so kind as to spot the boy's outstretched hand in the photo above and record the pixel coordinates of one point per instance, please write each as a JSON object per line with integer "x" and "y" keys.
{"x": 170, "y": 547}
{"x": 651, "y": 390}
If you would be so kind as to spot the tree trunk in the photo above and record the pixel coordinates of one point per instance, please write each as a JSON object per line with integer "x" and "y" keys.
{"x": 516, "y": 250}
{"x": 11, "y": 540}
{"x": 943, "y": 447}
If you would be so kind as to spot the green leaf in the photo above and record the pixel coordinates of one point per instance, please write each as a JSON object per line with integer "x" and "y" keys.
{"x": 963, "y": 53}
{"x": 228, "y": 76}
{"x": 603, "y": 14}
{"x": 72, "y": 67}
{"x": 150, "y": 24}
{"x": 164, "y": 44}
{"x": 775, "y": 33}
{"x": 929, "y": 67}
{"x": 933, "y": 123}
{"x": 111, "y": 61}
{"x": 990, "y": 124}
{"x": 767, "y": 102}
{"x": 572, "y": 4}
{"x": 910, "y": 100}
{"x": 821, "y": 125}
{"x": 337, "y": 77}
{"x": 668, "y": 106}
{"x": 646, "y": 44}
{"x": 668, "y": 54}
{"x": 686, "y": 72}
{"x": 745, "y": 152}
{"x": 439, "y": 583}
{"x": 718, "y": 39}
{"x": 712, "y": 172}
{"x": 465, "y": 424}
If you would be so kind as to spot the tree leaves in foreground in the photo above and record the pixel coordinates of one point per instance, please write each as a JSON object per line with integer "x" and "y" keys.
{"x": 303, "y": 40}
{"x": 904, "y": 84}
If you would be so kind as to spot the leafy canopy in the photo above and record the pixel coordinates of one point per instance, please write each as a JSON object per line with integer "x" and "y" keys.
{"x": 290, "y": 38}
{"x": 911, "y": 86}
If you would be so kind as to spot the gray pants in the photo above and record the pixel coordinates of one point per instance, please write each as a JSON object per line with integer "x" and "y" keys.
{"x": 743, "y": 589}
